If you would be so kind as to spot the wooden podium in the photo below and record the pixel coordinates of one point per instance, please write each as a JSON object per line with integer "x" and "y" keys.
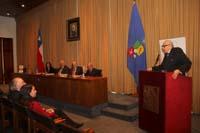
{"x": 164, "y": 103}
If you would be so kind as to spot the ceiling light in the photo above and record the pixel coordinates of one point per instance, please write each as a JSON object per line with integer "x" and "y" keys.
{"x": 22, "y": 5}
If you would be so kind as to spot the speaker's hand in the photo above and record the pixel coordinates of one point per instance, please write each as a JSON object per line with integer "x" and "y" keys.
{"x": 149, "y": 69}
{"x": 176, "y": 73}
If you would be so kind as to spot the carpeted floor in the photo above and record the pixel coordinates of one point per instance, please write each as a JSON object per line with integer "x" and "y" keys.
{"x": 104, "y": 124}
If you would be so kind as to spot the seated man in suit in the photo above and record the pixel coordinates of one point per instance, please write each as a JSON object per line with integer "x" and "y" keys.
{"x": 76, "y": 70}
{"x": 91, "y": 71}
{"x": 174, "y": 61}
{"x": 49, "y": 68}
{"x": 15, "y": 87}
{"x": 63, "y": 69}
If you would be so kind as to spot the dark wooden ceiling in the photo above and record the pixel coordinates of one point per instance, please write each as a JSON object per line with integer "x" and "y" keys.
{"x": 13, "y": 8}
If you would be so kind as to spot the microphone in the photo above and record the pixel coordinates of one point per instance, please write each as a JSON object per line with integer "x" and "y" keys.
{"x": 157, "y": 59}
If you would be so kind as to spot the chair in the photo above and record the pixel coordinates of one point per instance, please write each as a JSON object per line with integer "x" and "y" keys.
{"x": 23, "y": 121}
{"x": 8, "y": 115}
{"x": 42, "y": 124}
{"x": 13, "y": 115}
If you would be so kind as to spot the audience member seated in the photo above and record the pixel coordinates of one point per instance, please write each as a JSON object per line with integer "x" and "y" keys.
{"x": 15, "y": 87}
{"x": 76, "y": 70}
{"x": 28, "y": 98}
{"x": 63, "y": 69}
{"x": 49, "y": 68}
{"x": 91, "y": 71}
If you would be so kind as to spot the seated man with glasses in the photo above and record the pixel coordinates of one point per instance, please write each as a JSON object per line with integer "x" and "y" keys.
{"x": 174, "y": 60}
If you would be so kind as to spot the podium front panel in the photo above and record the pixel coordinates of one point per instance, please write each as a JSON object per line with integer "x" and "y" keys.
{"x": 160, "y": 98}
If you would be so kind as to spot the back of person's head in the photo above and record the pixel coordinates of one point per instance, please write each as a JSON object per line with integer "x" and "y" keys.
{"x": 26, "y": 90}
{"x": 25, "y": 97}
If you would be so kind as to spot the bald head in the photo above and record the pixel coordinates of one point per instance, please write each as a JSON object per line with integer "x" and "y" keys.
{"x": 62, "y": 63}
{"x": 74, "y": 64}
{"x": 167, "y": 46}
{"x": 17, "y": 84}
{"x": 90, "y": 66}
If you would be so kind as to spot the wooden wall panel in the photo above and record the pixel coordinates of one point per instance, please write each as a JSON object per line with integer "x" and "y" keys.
{"x": 104, "y": 33}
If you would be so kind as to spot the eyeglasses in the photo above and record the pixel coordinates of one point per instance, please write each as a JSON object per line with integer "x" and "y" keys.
{"x": 163, "y": 46}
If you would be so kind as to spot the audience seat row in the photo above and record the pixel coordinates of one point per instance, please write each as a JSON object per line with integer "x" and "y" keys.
{"x": 23, "y": 120}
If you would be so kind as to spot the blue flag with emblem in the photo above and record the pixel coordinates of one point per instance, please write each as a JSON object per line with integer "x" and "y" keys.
{"x": 136, "y": 58}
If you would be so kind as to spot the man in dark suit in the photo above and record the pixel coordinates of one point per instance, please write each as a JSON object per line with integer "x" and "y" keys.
{"x": 63, "y": 69}
{"x": 49, "y": 68}
{"x": 76, "y": 70}
{"x": 91, "y": 71}
{"x": 174, "y": 60}
{"x": 15, "y": 87}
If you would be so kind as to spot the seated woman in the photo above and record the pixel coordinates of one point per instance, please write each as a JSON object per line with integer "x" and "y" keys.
{"x": 28, "y": 98}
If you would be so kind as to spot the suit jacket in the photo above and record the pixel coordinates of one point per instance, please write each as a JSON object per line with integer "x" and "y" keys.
{"x": 65, "y": 70}
{"x": 79, "y": 70}
{"x": 95, "y": 72}
{"x": 50, "y": 70}
{"x": 176, "y": 59}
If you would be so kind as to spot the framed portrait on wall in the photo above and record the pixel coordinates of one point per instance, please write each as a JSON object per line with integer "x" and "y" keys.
{"x": 73, "y": 29}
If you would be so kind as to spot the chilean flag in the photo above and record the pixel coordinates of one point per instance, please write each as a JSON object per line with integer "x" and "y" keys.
{"x": 40, "y": 58}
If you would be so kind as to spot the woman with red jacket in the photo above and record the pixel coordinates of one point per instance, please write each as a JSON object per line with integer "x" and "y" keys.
{"x": 28, "y": 98}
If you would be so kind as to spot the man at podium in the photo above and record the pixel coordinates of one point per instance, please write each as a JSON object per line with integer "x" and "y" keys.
{"x": 174, "y": 60}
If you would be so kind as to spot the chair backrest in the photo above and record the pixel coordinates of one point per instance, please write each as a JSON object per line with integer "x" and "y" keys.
{"x": 7, "y": 103}
{"x": 40, "y": 119}
{"x": 20, "y": 108}
{"x": 7, "y": 110}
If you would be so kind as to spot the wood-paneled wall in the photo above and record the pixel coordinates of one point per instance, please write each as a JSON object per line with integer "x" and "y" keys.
{"x": 104, "y": 33}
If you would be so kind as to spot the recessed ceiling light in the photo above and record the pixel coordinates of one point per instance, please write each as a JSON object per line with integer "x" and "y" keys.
{"x": 22, "y": 5}
{"x": 8, "y": 14}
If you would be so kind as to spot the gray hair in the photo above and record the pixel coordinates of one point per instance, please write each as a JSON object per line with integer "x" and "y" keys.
{"x": 16, "y": 84}
{"x": 169, "y": 42}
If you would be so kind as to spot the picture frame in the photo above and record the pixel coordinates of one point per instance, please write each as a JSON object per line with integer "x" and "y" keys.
{"x": 73, "y": 29}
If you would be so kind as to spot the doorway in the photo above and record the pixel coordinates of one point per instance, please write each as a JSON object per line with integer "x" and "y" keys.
{"x": 6, "y": 60}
